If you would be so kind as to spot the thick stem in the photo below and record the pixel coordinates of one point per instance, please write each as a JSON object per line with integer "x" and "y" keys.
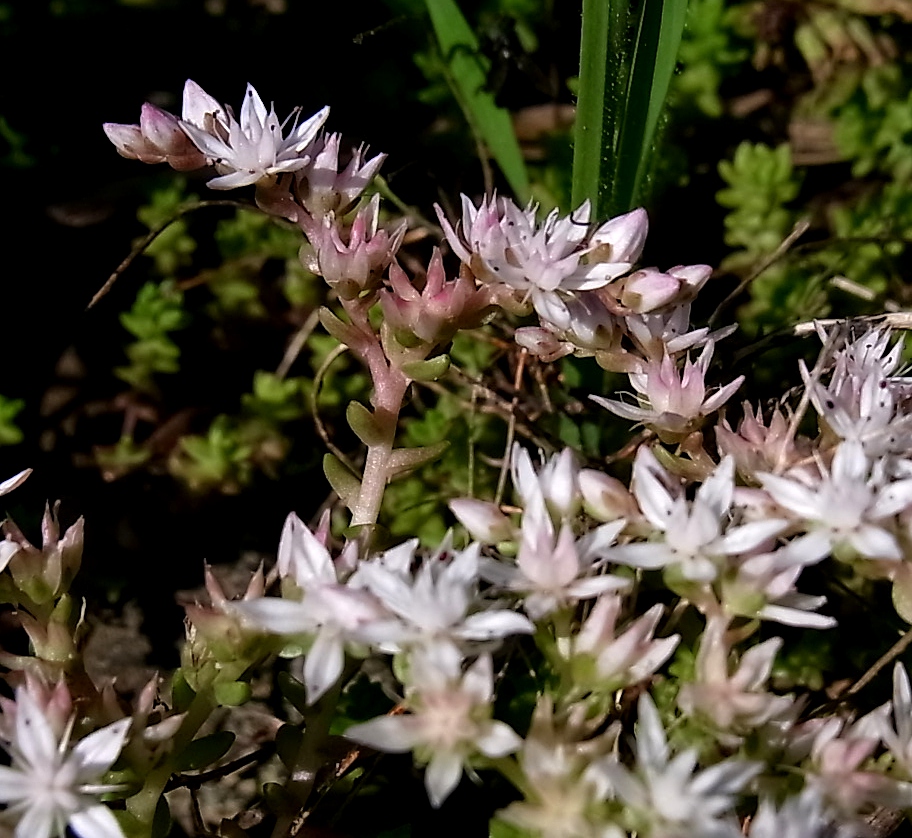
{"x": 142, "y": 805}
{"x": 310, "y": 759}
{"x": 390, "y": 387}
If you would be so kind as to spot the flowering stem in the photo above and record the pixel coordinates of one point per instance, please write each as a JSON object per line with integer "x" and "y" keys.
{"x": 142, "y": 805}
{"x": 390, "y": 386}
{"x": 309, "y": 760}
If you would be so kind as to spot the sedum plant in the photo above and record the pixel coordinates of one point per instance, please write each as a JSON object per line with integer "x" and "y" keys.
{"x": 598, "y": 649}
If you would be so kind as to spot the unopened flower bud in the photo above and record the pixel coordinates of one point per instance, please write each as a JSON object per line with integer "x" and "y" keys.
{"x": 484, "y": 521}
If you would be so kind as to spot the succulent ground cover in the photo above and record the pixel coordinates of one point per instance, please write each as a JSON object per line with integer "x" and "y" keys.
{"x": 595, "y": 473}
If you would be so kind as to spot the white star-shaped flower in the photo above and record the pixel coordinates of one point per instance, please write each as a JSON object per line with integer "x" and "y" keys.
{"x": 50, "y": 786}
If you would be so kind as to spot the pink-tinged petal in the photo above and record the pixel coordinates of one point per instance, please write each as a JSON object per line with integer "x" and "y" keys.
{"x": 130, "y": 143}
{"x": 280, "y": 616}
{"x": 795, "y": 617}
{"x": 484, "y": 521}
{"x": 14, "y": 482}
{"x": 451, "y": 236}
{"x": 624, "y": 236}
{"x": 625, "y": 411}
{"x": 791, "y": 495}
{"x": 442, "y": 775}
{"x": 498, "y": 740}
{"x": 324, "y": 663}
{"x": 97, "y": 752}
{"x": 488, "y": 625}
{"x": 595, "y": 586}
{"x": 394, "y": 734}
{"x": 649, "y": 289}
{"x": 306, "y": 131}
{"x": 197, "y": 104}
{"x": 875, "y": 543}
{"x": 717, "y": 399}
{"x": 95, "y": 822}
{"x": 478, "y": 681}
{"x": 751, "y": 536}
{"x": 588, "y": 277}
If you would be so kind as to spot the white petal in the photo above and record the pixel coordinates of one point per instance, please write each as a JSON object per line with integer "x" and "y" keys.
{"x": 442, "y": 776}
{"x": 652, "y": 745}
{"x": 34, "y": 737}
{"x": 791, "y": 495}
{"x": 498, "y": 740}
{"x": 875, "y": 543}
{"x": 38, "y": 822}
{"x": 487, "y": 625}
{"x": 11, "y": 483}
{"x": 95, "y": 822}
{"x": 280, "y": 616}
{"x": 717, "y": 490}
{"x": 324, "y": 663}
{"x": 395, "y": 734}
{"x": 751, "y": 535}
{"x": 14, "y": 785}
{"x": 97, "y": 752}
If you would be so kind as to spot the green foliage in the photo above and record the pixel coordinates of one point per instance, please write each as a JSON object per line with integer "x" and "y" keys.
{"x": 174, "y": 247}
{"x": 156, "y": 312}
{"x": 710, "y": 50}
{"x": 761, "y": 181}
{"x": 220, "y": 460}
{"x": 10, "y": 432}
{"x": 466, "y": 71}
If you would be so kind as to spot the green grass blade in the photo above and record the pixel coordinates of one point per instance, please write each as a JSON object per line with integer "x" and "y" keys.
{"x": 599, "y": 104}
{"x": 654, "y": 57}
{"x": 468, "y": 70}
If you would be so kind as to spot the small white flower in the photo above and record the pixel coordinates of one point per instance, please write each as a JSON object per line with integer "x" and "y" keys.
{"x": 803, "y": 816}
{"x": 433, "y": 603}
{"x": 697, "y": 537}
{"x": 251, "y": 149}
{"x": 50, "y": 786}
{"x": 852, "y": 504}
{"x": 555, "y": 569}
{"x": 449, "y": 720}
{"x": 663, "y": 796}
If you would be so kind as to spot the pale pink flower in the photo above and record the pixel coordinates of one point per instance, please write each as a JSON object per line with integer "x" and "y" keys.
{"x": 440, "y": 309}
{"x": 736, "y": 703}
{"x": 672, "y": 402}
{"x": 554, "y": 569}
{"x": 619, "y": 658}
{"x": 322, "y": 188}
{"x": 318, "y": 607}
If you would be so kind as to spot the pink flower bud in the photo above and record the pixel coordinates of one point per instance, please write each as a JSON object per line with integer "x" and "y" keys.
{"x": 484, "y": 521}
